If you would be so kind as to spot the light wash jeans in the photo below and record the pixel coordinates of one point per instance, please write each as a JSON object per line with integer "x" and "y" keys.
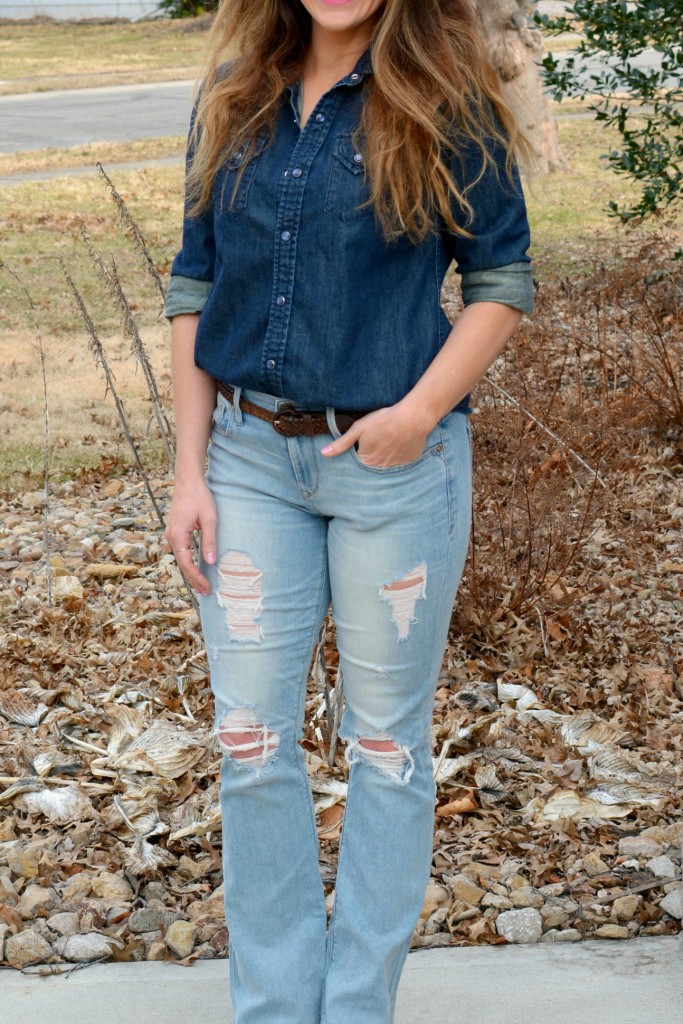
{"x": 387, "y": 547}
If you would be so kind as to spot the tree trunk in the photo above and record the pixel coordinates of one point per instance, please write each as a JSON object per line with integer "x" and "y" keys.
{"x": 515, "y": 49}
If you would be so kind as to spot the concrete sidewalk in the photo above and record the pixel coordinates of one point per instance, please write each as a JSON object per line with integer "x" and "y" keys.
{"x": 637, "y": 981}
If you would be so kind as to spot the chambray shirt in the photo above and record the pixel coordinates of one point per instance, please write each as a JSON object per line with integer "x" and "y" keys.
{"x": 299, "y": 294}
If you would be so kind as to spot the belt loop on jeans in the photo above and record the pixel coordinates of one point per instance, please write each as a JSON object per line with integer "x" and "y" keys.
{"x": 236, "y": 393}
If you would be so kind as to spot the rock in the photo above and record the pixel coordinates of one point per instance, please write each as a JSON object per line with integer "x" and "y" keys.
{"x": 435, "y": 896}
{"x": 67, "y": 589}
{"x": 520, "y": 925}
{"x": 112, "y": 887}
{"x": 148, "y": 919}
{"x": 156, "y": 950}
{"x": 28, "y": 947}
{"x": 180, "y": 938}
{"x": 492, "y": 899}
{"x": 212, "y": 907}
{"x": 33, "y": 500}
{"x": 517, "y": 882}
{"x": 673, "y": 903}
{"x": 662, "y": 867}
{"x": 64, "y": 923}
{"x": 565, "y": 935}
{"x": 35, "y": 899}
{"x": 526, "y": 896}
{"x": 554, "y": 889}
{"x": 611, "y": 931}
{"x": 594, "y": 865}
{"x": 639, "y": 846}
{"x": 8, "y": 893}
{"x": 463, "y": 888}
{"x": 219, "y": 941}
{"x": 79, "y": 885}
{"x": 626, "y": 906}
{"x": 81, "y": 948}
{"x": 126, "y": 552}
{"x": 155, "y": 891}
{"x": 23, "y": 863}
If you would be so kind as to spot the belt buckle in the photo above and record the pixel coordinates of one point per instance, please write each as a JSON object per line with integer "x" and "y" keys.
{"x": 286, "y": 413}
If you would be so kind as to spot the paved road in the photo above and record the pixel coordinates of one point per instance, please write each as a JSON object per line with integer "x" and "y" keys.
{"x": 120, "y": 113}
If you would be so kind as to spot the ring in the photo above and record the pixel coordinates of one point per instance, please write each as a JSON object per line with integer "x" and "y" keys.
{"x": 181, "y": 549}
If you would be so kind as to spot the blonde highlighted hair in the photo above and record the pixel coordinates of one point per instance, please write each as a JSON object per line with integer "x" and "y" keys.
{"x": 433, "y": 90}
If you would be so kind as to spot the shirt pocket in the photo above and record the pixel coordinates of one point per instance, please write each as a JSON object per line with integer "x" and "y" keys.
{"x": 347, "y": 187}
{"x": 227, "y": 177}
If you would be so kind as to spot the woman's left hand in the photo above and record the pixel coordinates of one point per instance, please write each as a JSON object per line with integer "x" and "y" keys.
{"x": 386, "y": 437}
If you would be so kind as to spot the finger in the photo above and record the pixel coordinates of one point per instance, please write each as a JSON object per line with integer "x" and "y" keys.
{"x": 190, "y": 571}
{"x": 342, "y": 443}
{"x": 209, "y": 541}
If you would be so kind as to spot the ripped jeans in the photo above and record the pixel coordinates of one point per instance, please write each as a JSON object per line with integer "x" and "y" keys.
{"x": 387, "y": 547}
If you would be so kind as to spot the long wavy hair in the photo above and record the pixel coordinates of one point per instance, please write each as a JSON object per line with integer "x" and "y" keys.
{"x": 433, "y": 90}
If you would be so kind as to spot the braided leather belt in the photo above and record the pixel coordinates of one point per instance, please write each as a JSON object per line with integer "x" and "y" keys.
{"x": 291, "y": 421}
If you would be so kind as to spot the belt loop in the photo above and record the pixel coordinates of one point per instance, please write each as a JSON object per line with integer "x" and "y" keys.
{"x": 236, "y": 405}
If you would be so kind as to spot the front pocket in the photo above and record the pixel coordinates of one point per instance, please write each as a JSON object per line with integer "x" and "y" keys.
{"x": 223, "y": 417}
{"x": 347, "y": 188}
{"x": 229, "y": 173}
{"x": 433, "y": 447}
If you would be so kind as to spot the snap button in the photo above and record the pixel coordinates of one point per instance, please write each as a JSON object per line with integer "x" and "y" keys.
{"x": 320, "y": 118}
{"x": 280, "y": 300}
{"x": 354, "y": 77}
{"x": 358, "y": 157}
{"x": 270, "y": 364}
{"x": 285, "y": 236}
{"x": 296, "y": 173}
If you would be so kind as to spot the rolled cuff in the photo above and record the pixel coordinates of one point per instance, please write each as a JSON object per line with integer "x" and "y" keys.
{"x": 511, "y": 284}
{"x": 186, "y": 295}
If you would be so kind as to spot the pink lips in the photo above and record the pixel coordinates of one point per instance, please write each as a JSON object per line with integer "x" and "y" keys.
{"x": 336, "y": 2}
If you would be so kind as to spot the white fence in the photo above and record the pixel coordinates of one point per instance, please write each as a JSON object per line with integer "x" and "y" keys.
{"x": 93, "y": 9}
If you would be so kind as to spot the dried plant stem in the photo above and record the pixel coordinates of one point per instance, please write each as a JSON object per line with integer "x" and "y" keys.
{"x": 46, "y": 431}
{"x": 113, "y": 284}
{"x": 97, "y": 349}
{"x": 129, "y": 222}
{"x": 547, "y": 430}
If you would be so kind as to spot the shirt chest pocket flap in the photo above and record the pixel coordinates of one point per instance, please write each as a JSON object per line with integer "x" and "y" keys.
{"x": 229, "y": 175}
{"x": 347, "y": 187}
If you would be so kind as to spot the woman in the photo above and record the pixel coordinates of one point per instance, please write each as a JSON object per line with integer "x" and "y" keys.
{"x": 337, "y": 165}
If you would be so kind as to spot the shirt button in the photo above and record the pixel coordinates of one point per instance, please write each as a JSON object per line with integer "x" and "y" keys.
{"x": 285, "y": 236}
{"x": 354, "y": 77}
{"x": 320, "y": 118}
{"x": 270, "y": 364}
{"x": 280, "y": 300}
{"x": 296, "y": 173}
{"x": 358, "y": 157}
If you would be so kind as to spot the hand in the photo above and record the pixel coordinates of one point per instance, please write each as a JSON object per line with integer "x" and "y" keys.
{"x": 386, "y": 437}
{"x": 192, "y": 508}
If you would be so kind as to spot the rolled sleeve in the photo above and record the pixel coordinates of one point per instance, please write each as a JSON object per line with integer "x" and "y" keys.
{"x": 186, "y": 295}
{"x": 511, "y": 285}
{"x": 499, "y": 227}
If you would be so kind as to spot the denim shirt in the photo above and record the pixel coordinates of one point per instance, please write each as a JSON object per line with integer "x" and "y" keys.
{"x": 299, "y": 294}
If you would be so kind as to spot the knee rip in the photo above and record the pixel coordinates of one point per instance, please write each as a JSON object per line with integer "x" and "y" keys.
{"x": 245, "y": 740}
{"x": 392, "y": 759}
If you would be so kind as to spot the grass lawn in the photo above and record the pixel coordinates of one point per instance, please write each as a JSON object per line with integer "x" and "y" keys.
{"x": 59, "y": 55}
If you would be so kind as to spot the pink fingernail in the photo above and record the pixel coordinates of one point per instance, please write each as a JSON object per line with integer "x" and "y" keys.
{"x": 326, "y": 450}
{"x": 211, "y": 557}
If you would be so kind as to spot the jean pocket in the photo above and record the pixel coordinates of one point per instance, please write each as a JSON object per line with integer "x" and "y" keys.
{"x": 234, "y": 177}
{"x": 433, "y": 446}
{"x": 347, "y": 187}
{"x": 223, "y": 418}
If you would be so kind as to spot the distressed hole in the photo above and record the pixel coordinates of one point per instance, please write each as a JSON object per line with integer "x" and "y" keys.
{"x": 243, "y": 738}
{"x": 402, "y": 595}
{"x": 239, "y": 592}
{"x": 382, "y": 753}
